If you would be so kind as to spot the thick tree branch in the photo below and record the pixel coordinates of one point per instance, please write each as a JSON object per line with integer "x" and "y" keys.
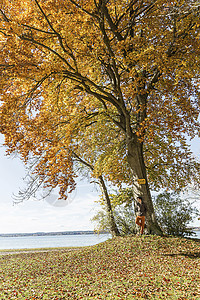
{"x": 30, "y": 39}
{"x": 113, "y": 63}
{"x": 113, "y": 27}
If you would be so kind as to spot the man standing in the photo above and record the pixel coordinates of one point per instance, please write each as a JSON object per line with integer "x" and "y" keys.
{"x": 141, "y": 211}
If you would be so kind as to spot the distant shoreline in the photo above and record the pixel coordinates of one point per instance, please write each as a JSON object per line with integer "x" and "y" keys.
{"x": 196, "y": 228}
{"x": 48, "y": 233}
{"x": 62, "y": 233}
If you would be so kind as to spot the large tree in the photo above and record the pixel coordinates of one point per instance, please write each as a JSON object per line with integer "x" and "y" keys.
{"x": 130, "y": 66}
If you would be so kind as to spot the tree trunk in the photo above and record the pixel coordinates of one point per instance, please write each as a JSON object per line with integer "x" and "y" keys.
{"x": 137, "y": 165}
{"x": 113, "y": 227}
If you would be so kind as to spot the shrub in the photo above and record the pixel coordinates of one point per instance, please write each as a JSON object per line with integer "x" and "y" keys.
{"x": 174, "y": 213}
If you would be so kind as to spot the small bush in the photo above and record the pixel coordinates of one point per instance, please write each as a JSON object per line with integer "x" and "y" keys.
{"x": 124, "y": 219}
{"x": 174, "y": 214}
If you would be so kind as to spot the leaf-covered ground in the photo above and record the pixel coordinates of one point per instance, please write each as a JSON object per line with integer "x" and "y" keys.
{"x": 147, "y": 267}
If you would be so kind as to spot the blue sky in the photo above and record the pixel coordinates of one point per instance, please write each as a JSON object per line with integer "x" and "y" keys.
{"x": 46, "y": 215}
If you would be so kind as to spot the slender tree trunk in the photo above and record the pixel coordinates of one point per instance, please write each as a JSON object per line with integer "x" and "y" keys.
{"x": 113, "y": 227}
{"x": 137, "y": 165}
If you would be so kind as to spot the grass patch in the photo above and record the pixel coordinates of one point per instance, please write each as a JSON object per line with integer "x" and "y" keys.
{"x": 147, "y": 267}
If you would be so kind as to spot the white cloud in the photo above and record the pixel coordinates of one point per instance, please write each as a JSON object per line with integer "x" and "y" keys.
{"x": 34, "y": 216}
{"x": 45, "y": 215}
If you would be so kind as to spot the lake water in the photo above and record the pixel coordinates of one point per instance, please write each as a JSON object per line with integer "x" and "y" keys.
{"x": 197, "y": 234}
{"x": 52, "y": 241}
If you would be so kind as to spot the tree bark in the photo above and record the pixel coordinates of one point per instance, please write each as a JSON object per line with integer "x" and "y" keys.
{"x": 113, "y": 227}
{"x": 137, "y": 165}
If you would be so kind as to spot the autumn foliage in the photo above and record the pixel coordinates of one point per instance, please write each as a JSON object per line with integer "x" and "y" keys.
{"x": 102, "y": 79}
